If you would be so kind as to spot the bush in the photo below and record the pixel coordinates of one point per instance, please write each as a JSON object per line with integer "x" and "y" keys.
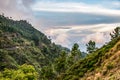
{"x": 24, "y": 72}
{"x": 104, "y": 72}
{"x": 109, "y": 66}
{"x": 81, "y": 74}
{"x": 75, "y": 78}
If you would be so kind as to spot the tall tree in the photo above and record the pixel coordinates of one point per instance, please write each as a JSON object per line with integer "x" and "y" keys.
{"x": 115, "y": 33}
{"x": 75, "y": 55}
{"x": 47, "y": 73}
{"x": 60, "y": 63}
{"x": 91, "y": 46}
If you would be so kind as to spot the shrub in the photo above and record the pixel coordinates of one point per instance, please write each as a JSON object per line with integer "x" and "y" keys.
{"x": 104, "y": 72}
{"x": 81, "y": 74}
{"x": 24, "y": 72}
{"x": 109, "y": 66}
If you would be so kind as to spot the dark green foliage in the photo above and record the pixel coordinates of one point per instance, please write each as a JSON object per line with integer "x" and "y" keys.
{"x": 91, "y": 46}
{"x": 74, "y": 49}
{"x": 1, "y": 33}
{"x": 81, "y": 74}
{"x": 6, "y": 61}
{"x": 60, "y": 63}
{"x": 115, "y": 33}
{"x": 110, "y": 66}
{"x": 84, "y": 54}
{"x": 2, "y": 59}
{"x": 47, "y": 73}
{"x": 74, "y": 56}
{"x": 75, "y": 78}
{"x": 75, "y": 52}
{"x": 20, "y": 43}
{"x": 90, "y": 62}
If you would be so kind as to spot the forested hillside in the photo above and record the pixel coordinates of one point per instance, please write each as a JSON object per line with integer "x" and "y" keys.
{"x": 28, "y": 54}
{"x": 20, "y": 44}
{"x": 102, "y": 64}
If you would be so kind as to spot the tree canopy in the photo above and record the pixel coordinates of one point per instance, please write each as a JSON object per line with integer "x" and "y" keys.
{"x": 115, "y": 33}
{"x": 91, "y": 46}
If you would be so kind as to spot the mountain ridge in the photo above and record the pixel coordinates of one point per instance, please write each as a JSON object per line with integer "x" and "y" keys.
{"x": 25, "y": 49}
{"x": 19, "y": 38}
{"x": 98, "y": 65}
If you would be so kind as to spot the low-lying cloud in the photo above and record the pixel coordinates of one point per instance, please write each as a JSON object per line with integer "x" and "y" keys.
{"x": 67, "y": 21}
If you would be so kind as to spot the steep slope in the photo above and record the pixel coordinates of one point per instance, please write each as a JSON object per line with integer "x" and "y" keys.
{"x": 104, "y": 64}
{"x": 109, "y": 68}
{"x": 20, "y": 43}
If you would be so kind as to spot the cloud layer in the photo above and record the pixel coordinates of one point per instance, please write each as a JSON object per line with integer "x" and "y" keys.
{"x": 75, "y": 8}
{"x": 68, "y": 21}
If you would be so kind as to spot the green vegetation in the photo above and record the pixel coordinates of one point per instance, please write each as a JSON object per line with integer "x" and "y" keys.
{"x": 115, "y": 33}
{"x": 24, "y": 72}
{"x": 20, "y": 44}
{"x": 27, "y": 54}
{"x": 91, "y": 46}
{"x": 60, "y": 63}
{"x": 99, "y": 61}
{"x": 75, "y": 55}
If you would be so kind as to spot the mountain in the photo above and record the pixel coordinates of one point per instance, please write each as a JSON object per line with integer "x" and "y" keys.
{"x": 103, "y": 64}
{"x": 21, "y": 43}
{"x": 27, "y": 54}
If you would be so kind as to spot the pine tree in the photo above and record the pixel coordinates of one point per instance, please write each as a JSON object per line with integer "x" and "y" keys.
{"x": 115, "y": 33}
{"x": 60, "y": 63}
{"x": 75, "y": 55}
{"x": 91, "y": 46}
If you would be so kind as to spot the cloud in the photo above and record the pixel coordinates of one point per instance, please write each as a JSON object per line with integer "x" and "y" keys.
{"x": 67, "y": 21}
{"x": 114, "y": 4}
{"x": 19, "y": 10}
{"x": 82, "y": 34}
{"x": 74, "y": 7}
{"x": 28, "y": 3}
{"x": 62, "y": 19}
{"x": 99, "y": 38}
{"x": 59, "y": 36}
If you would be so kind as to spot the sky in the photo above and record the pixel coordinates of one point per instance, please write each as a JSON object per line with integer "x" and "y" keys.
{"x": 68, "y": 21}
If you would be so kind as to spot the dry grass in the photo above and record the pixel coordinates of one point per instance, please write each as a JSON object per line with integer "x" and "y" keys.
{"x": 110, "y": 69}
